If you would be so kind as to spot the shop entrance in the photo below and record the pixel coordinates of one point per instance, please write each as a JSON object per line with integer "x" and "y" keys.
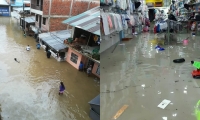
{"x": 90, "y": 62}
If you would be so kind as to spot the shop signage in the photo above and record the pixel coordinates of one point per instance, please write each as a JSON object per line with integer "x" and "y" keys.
{"x": 4, "y": 11}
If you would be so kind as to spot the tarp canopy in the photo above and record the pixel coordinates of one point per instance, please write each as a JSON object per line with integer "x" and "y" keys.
{"x": 56, "y": 39}
{"x": 3, "y": 2}
{"x": 88, "y": 21}
{"x": 29, "y": 19}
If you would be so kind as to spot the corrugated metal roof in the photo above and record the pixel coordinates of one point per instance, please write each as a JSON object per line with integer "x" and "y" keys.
{"x": 88, "y": 21}
{"x": 30, "y": 19}
{"x": 56, "y": 39}
{"x": 21, "y": 9}
{"x": 19, "y": 3}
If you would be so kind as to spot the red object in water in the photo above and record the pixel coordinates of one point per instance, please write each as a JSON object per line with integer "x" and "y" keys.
{"x": 196, "y": 73}
{"x": 154, "y": 29}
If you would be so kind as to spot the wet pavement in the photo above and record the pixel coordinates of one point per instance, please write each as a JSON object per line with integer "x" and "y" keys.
{"x": 29, "y": 89}
{"x": 139, "y": 77}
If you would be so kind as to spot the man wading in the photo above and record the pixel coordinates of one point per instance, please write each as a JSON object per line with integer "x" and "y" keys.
{"x": 48, "y": 54}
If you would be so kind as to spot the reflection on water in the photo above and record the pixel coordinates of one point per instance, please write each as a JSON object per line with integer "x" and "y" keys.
{"x": 29, "y": 89}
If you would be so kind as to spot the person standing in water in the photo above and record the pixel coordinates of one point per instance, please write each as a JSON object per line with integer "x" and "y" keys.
{"x": 62, "y": 88}
{"x": 81, "y": 66}
{"x": 48, "y": 54}
{"x": 89, "y": 70}
{"x": 38, "y": 46}
{"x": 47, "y": 48}
{"x": 28, "y": 48}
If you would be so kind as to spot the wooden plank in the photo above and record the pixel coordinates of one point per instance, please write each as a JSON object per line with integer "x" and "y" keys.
{"x": 120, "y": 111}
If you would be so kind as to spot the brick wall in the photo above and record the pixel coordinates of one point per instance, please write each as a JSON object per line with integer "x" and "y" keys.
{"x": 94, "y": 4}
{"x": 46, "y": 4}
{"x": 79, "y": 7}
{"x": 62, "y": 7}
{"x": 56, "y": 24}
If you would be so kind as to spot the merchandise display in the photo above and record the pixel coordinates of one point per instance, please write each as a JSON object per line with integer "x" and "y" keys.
{"x": 118, "y": 15}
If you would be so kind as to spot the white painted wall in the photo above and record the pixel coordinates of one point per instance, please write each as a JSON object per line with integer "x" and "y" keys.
{"x": 46, "y": 26}
{"x": 36, "y": 11}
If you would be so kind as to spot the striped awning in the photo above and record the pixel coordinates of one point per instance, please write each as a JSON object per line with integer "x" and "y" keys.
{"x": 89, "y": 21}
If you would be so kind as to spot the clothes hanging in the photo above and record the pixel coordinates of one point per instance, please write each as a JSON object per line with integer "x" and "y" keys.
{"x": 109, "y": 21}
{"x": 105, "y": 24}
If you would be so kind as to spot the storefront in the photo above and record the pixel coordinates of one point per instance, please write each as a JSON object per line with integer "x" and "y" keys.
{"x": 74, "y": 58}
{"x": 4, "y": 8}
{"x": 54, "y": 41}
{"x": 26, "y": 22}
{"x": 84, "y": 45}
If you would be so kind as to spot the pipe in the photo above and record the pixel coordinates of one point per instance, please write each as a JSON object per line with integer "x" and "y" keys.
{"x": 89, "y": 4}
{"x": 70, "y": 13}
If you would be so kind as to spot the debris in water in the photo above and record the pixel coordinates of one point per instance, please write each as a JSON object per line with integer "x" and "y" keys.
{"x": 16, "y": 60}
{"x": 164, "y": 104}
{"x": 122, "y": 44}
{"x": 119, "y": 113}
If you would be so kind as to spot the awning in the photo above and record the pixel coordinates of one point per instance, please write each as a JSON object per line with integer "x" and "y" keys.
{"x": 56, "y": 39}
{"x": 19, "y": 3}
{"x": 21, "y": 9}
{"x": 88, "y": 21}
{"x": 29, "y": 19}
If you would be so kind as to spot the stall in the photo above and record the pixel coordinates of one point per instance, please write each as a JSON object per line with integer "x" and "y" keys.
{"x": 26, "y": 22}
{"x": 54, "y": 41}
{"x": 84, "y": 45}
{"x": 4, "y": 8}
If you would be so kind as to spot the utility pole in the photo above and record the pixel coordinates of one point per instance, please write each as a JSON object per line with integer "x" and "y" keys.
{"x": 24, "y": 27}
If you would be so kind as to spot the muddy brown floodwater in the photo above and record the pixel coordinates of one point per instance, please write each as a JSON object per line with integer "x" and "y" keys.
{"x": 29, "y": 89}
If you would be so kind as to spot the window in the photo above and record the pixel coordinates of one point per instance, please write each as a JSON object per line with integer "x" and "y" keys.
{"x": 37, "y": 18}
{"x": 44, "y": 21}
{"x": 98, "y": 70}
{"x": 38, "y": 2}
{"x": 74, "y": 58}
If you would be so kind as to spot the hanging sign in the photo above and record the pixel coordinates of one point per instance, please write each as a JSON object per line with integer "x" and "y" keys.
{"x": 4, "y": 11}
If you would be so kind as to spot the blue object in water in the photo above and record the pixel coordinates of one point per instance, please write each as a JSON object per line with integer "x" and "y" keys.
{"x": 158, "y": 28}
{"x": 159, "y": 48}
{"x": 38, "y": 46}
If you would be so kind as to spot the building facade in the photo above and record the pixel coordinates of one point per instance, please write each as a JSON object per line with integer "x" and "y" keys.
{"x": 49, "y": 14}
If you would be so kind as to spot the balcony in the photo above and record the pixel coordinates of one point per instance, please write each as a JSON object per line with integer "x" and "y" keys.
{"x": 37, "y": 7}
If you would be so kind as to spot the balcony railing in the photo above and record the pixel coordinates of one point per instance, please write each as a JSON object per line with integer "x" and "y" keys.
{"x": 37, "y": 7}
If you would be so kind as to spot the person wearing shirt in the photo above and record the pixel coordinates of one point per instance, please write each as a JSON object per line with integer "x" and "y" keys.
{"x": 38, "y": 46}
{"x": 81, "y": 66}
{"x": 28, "y": 48}
{"x": 89, "y": 70}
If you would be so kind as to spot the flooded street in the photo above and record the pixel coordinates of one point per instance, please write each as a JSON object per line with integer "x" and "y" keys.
{"x": 139, "y": 77}
{"x": 29, "y": 89}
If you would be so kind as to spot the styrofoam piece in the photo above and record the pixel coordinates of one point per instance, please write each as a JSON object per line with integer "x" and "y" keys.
{"x": 164, "y": 118}
{"x": 164, "y": 104}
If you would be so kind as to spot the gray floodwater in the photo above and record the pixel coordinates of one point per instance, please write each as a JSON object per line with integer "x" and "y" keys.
{"x": 140, "y": 77}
